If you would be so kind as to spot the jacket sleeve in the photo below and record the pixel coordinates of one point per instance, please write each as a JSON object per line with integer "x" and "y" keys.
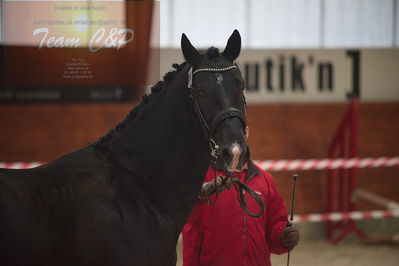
{"x": 277, "y": 218}
{"x": 192, "y": 236}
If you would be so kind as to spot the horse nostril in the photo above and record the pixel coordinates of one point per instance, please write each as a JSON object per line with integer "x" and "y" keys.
{"x": 226, "y": 154}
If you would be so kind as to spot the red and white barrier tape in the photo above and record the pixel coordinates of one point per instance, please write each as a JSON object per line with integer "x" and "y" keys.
{"x": 319, "y": 164}
{"x": 19, "y": 165}
{"x": 312, "y": 164}
{"x": 283, "y": 165}
{"x": 341, "y": 216}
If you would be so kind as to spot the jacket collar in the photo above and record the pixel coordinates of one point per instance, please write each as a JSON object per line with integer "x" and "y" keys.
{"x": 252, "y": 171}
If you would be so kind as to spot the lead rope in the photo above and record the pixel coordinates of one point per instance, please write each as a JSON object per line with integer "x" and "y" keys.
{"x": 240, "y": 187}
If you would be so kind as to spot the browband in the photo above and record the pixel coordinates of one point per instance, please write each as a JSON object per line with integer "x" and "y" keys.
{"x": 191, "y": 73}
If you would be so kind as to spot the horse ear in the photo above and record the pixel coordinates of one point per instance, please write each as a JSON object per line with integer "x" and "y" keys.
{"x": 191, "y": 54}
{"x": 233, "y": 47}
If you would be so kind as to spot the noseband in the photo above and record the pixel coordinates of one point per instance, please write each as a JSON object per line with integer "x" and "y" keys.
{"x": 209, "y": 130}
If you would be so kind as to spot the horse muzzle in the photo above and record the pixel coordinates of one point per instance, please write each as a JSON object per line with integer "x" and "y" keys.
{"x": 235, "y": 156}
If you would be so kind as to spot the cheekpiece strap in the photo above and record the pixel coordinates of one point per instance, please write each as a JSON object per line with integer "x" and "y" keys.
{"x": 190, "y": 78}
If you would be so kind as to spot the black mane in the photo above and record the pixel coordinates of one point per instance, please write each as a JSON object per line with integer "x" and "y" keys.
{"x": 211, "y": 53}
{"x": 167, "y": 79}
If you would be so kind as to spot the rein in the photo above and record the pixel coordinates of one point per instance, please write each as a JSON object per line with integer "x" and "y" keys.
{"x": 241, "y": 188}
{"x": 209, "y": 129}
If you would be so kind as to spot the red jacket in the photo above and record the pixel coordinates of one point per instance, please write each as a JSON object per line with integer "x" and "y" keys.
{"x": 223, "y": 234}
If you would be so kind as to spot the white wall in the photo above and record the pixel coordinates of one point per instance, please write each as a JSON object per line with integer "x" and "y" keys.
{"x": 359, "y": 23}
{"x": 396, "y": 21}
{"x": 282, "y": 23}
{"x": 1, "y": 22}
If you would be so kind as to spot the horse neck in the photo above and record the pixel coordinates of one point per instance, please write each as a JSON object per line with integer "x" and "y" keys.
{"x": 170, "y": 151}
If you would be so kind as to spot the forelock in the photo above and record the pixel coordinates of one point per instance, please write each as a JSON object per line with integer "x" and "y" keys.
{"x": 213, "y": 53}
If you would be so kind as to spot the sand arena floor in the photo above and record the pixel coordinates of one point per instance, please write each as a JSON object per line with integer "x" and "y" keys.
{"x": 346, "y": 253}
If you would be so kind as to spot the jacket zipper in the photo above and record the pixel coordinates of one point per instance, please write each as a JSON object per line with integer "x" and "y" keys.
{"x": 245, "y": 221}
{"x": 245, "y": 238}
{"x": 246, "y": 180}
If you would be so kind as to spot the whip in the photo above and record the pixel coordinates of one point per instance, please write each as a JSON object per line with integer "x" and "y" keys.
{"x": 295, "y": 177}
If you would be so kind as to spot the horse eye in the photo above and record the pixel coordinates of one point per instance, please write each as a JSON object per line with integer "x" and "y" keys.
{"x": 201, "y": 93}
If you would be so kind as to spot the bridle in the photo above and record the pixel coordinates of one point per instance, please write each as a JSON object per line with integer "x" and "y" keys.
{"x": 230, "y": 112}
{"x": 209, "y": 130}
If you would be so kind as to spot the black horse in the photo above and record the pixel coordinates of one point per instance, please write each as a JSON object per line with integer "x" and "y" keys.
{"x": 124, "y": 199}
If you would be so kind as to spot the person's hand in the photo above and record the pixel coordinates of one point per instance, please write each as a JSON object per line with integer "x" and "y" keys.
{"x": 290, "y": 237}
{"x": 212, "y": 187}
{"x": 222, "y": 183}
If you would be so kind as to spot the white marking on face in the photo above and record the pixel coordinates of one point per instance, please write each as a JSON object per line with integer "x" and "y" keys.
{"x": 219, "y": 78}
{"x": 236, "y": 151}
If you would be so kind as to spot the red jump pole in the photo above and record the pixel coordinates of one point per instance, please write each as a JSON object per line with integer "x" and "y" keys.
{"x": 340, "y": 200}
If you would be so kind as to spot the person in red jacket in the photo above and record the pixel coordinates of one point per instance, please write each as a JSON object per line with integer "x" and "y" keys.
{"x": 223, "y": 234}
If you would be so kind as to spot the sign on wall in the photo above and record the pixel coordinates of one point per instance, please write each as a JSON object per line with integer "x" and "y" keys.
{"x": 75, "y": 50}
{"x": 318, "y": 75}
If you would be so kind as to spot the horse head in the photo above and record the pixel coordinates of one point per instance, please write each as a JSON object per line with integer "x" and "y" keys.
{"x": 217, "y": 96}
